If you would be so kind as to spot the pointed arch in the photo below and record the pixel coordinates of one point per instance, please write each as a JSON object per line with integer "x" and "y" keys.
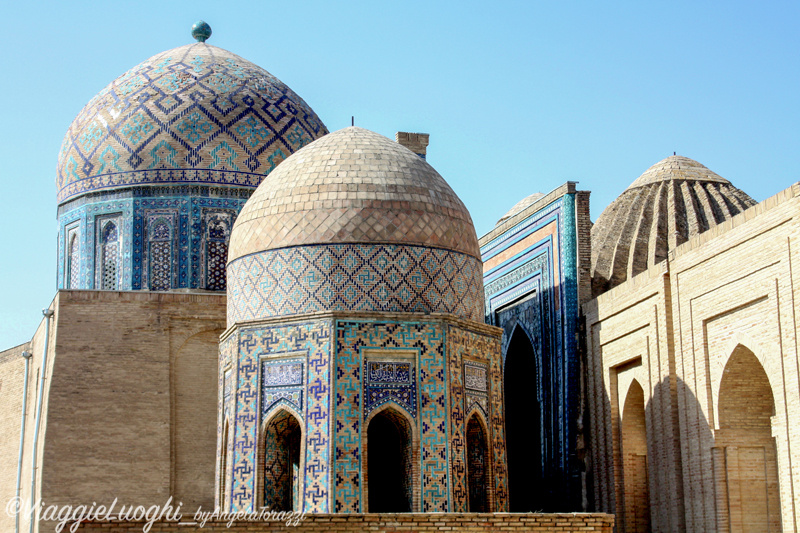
{"x": 633, "y": 429}
{"x": 159, "y": 251}
{"x": 217, "y": 234}
{"x": 519, "y": 328}
{"x": 767, "y": 357}
{"x": 109, "y": 255}
{"x": 390, "y": 452}
{"x": 523, "y": 424}
{"x": 281, "y": 461}
{"x": 479, "y": 472}
{"x": 73, "y": 269}
{"x": 746, "y": 465}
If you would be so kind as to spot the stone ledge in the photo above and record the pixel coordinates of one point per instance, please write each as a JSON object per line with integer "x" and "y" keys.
{"x": 416, "y": 522}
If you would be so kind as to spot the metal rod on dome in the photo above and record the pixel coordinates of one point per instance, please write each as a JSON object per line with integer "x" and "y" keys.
{"x": 352, "y": 121}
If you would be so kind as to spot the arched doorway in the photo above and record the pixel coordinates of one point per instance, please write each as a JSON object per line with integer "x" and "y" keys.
{"x": 634, "y": 462}
{"x": 282, "y": 474}
{"x": 477, "y": 466}
{"x": 389, "y": 463}
{"x": 523, "y": 426}
{"x": 748, "y": 490}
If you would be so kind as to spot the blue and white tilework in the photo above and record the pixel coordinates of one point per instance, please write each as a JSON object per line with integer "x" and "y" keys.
{"x": 534, "y": 288}
{"x": 354, "y": 277}
{"x": 196, "y": 114}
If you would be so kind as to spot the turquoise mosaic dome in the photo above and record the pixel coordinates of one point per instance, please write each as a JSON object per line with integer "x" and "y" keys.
{"x": 196, "y": 115}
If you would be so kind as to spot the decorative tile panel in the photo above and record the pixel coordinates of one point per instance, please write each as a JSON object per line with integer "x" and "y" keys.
{"x": 465, "y": 348}
{"x": 282, "y": 381}
{"x": 530, "y": 280}
{"x": 192, "y": 256}
{"x": 263, "y": 344}
{"x": 427, "y": 339}
{"x": 354, "y": 277}
{"x": 386, "y": 381}
{"x": 195, "y": 114}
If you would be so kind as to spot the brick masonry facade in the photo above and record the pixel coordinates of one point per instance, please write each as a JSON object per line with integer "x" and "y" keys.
{"x": 128, "y": 405}
{"x": 705, "y": 346}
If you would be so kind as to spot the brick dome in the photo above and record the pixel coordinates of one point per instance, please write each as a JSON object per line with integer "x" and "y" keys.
{"x": 353, "y": 222}
{"x": 673, "y": 201}
{"x": 353, "y": 186}
{"x": 520, "y": 206}
{"x": 196, "y": 114}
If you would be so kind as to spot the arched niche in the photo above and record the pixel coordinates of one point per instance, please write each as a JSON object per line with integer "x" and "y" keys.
{"x": 744, "y": 453}
{"x": 281, "y": 461}
{"x": 633, "y": 429}
{"x": 389, "y": 461}
{"x": 479, "y": 477}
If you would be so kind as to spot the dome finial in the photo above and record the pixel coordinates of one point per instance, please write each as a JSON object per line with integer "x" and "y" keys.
{"x": 201, "y": 31}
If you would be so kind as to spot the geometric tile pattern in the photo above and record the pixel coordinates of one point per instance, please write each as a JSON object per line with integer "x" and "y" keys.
{"x": 195, "y": 114}
{"x": 531, "y": 283}
{"x": 354, "y": 277}
{"x": 193, "y": 262}
{"x": 270, "y": 343}
{"x": 427, "y": 339}
{"x": 386, "y": 381}
{"x": 458, "y": 466}
{"x": 225, "y": 408}
{"x": 465, "y": 349}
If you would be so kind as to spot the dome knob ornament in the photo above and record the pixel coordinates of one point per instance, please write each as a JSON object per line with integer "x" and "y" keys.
{"x": 201, "y": 31}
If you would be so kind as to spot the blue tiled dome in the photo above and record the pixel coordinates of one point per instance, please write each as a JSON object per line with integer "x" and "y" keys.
{"x": 196, "y": 114}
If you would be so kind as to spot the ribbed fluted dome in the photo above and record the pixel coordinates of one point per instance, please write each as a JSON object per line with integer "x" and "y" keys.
{"x": 353, "y": 186}
{"x": 674, "y": 200}
{"x": 196, "y": 114}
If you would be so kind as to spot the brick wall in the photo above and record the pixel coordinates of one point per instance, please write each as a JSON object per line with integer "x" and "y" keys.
{"x": 129, "y": 403}
{"x": 411, "y": 522}
{"x": 12, "y": 367}
{"x": 677, "y": 329}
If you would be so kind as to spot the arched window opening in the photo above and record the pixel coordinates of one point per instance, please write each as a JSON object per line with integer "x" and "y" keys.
{"x": 745, "y": 458}
{"x": 109, "y": 243}
{"x": 523, "y": 426}
{"x": 223, "y": 467}
{"x": 634, "y": 462}
{"x": 282, "y": 444}
{"x": 216, "y": 252}
{"x": 73, "y": 262}
{"x": 160, "y": 255}
{"x": 477, "y": 466}
{"x": 389, "y": 463}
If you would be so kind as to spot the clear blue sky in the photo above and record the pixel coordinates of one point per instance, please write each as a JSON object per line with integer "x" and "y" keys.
{"x": 518, "y": 96}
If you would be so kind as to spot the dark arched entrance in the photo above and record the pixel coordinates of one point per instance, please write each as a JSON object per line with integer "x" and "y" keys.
{"x": 282, "y": 443}
{"x": 523, "y": 426}
{"x": 389, "y": 452}
{"x": 477, "y": 466}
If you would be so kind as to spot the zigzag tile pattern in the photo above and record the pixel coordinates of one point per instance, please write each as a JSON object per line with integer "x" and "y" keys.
{"x": 354, "y": 277}
{"x": 196, "y": 114}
